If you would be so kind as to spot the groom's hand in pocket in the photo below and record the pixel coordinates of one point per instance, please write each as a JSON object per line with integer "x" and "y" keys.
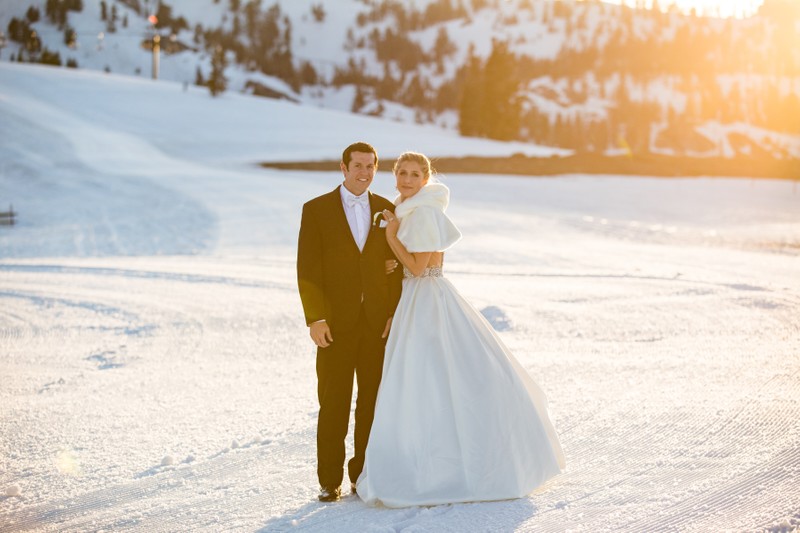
{"x": 321, "y": 334}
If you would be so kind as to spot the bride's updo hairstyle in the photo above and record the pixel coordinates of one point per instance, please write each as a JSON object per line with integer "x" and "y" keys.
{"x": 421, "y": 159}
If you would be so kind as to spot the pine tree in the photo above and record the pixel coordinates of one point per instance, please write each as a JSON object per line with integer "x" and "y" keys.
{"x": 359, "y": 100}
{"x": 17, "y": 30}
{"x": 32, "y": 14}
{"x": 308, "y": 74}
{"x": 62, "y": 17}
{"x": 33, "y": 44}
{"x": 387, "y": 86}
{"x": 414, "y": 94}
{"x": 442, "y": 48}
{"x": 469, "y": 110}
{"x": 69, "y": 36}
{"x": 502, "y": 106}
{"x": 50, "y": 58}
{"x": 217, "y": 82}
{"x": 50, "y": 10}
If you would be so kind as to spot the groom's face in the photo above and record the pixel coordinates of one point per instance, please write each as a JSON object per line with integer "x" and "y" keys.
{"x": 359, "y": 173}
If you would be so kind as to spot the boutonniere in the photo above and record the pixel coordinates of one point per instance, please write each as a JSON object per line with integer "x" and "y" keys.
{"x": 376, "y": 217}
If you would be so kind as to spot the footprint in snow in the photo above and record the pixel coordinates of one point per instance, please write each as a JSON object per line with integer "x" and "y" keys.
{"x": 51, "y": 385}
{"x": 105, "y": 360}
{"x": 497, "y": 318}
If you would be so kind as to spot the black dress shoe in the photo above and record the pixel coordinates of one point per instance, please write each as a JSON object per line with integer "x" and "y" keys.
{"x": 353, "y": 489}
{"x": 328, "y": 494}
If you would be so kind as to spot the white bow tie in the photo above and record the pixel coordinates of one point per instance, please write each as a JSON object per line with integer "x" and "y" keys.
{"x": 353, "y": 201}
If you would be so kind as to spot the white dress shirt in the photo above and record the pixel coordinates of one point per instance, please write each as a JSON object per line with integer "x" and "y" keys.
{"x": 356, "y": 208}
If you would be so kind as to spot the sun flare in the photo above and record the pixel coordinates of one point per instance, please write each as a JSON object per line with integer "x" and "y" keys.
{"x": 716, "y": 8}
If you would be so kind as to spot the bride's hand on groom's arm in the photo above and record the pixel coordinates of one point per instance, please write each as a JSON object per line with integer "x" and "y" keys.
{"x": 321, "y": 334}
{"x": 392, "y": 223}
{"x": 391, "y": 265}
{"x": 387, "y": 328}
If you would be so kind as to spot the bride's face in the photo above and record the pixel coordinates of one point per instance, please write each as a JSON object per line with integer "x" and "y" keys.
{"x": 410, "y": 178}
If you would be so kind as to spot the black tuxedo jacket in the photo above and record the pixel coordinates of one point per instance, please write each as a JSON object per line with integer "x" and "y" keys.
{"x": 333, "y": 275}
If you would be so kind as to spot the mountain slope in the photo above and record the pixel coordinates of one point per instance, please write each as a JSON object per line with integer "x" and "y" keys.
{"x": 585, "y": 76}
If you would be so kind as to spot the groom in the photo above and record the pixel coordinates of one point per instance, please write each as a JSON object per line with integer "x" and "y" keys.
{"x": 348, "y": 299}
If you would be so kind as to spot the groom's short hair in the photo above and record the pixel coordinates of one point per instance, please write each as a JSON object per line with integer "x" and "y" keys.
{"x": 362, "y": 147}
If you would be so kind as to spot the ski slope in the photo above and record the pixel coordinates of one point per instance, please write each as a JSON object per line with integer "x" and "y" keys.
{"x": 157, "y": 375}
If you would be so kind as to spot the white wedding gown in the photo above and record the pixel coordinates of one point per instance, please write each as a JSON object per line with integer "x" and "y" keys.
{"x": 457, "y": 418}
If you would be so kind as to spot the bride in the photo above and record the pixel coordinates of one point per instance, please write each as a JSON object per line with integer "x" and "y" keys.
{"x": 457, "y": 418}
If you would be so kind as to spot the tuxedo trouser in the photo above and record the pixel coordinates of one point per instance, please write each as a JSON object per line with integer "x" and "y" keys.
{"x": 358, "y": 351}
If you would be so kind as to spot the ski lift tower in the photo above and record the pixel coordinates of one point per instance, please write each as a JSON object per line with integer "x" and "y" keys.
{"x": 156, "y": 44}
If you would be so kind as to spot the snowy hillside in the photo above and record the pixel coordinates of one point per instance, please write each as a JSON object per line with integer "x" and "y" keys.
{"x": 157, "y": 374}
{"x": 584, "y": 76}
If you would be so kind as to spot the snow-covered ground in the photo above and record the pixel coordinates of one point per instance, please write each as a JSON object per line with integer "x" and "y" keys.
{"x": 156, "y": 375}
